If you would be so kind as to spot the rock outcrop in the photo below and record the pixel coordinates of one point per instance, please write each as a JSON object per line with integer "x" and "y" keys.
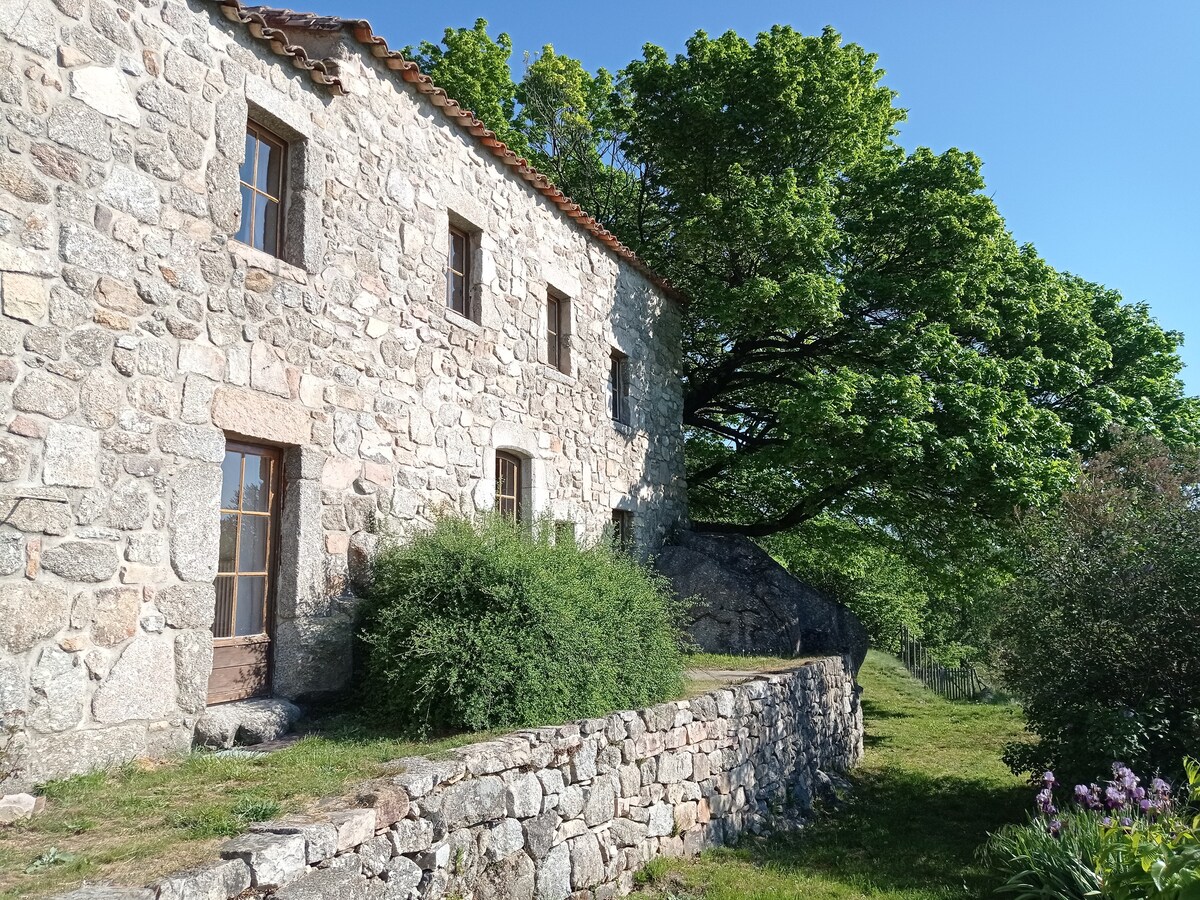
{"x": 748, "y": 603}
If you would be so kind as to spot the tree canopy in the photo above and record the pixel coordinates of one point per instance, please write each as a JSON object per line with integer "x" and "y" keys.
{"x": 864, "y": 337}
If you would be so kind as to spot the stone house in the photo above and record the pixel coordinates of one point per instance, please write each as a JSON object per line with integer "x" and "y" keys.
{"x": 268, "y": 293}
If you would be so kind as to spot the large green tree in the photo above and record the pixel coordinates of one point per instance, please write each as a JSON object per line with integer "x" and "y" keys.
{"x": 473, "y": 68}
{"x": 864, "y": 337}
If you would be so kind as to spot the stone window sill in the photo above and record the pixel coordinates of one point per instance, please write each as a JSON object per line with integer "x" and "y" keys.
{"x": 622, "y": 428}
{"x": 553, "y": 374}
{"x": 463, "y": 322}
{"x": 255, "y": 258}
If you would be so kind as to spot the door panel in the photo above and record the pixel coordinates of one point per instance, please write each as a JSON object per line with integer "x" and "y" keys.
{"x": 245, "y": 573}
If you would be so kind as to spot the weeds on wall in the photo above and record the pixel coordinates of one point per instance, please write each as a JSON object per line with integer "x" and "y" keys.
{"x": 475, "y": 625}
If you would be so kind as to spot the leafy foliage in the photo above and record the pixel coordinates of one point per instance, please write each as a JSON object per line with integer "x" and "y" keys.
{"x": 896, "y": 583}
{"x": 482, "y": 625}
{"x": 474, "y": 70}
{"x": 1097, "y": 635}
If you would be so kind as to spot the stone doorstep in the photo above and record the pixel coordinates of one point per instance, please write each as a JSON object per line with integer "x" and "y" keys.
{"x": 245, "y": 723}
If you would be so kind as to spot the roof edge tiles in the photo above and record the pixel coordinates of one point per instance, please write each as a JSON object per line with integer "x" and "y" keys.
{"x": 267, "y": 24}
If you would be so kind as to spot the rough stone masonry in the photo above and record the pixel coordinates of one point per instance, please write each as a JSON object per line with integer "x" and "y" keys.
{"x": 552, "y": 813}
{"x": 138, "y": 336}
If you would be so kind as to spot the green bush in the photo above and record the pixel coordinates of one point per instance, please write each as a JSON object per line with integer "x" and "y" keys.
{"x": 481, "y": 625}
{"x": 1098, "y": 637}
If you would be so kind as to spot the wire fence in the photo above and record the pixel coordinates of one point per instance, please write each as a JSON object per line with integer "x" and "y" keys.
{"x": 961, "y": 683}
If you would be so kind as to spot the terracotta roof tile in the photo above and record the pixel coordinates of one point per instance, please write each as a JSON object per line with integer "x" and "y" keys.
{"x": 270, "y": 26}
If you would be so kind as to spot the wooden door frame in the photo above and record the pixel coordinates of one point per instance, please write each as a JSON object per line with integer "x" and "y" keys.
{"x": 275, "y": 516}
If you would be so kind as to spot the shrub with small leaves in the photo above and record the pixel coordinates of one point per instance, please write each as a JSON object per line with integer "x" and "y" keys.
{"x": 474, "y": 625}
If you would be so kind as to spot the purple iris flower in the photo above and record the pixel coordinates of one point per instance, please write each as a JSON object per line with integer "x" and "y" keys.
{"x": 1114, "y": 797}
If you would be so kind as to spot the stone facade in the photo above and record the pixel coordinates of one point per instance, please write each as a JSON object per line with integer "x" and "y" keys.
{"x": 137, "y": 335}
{"x": 554, "y": 813}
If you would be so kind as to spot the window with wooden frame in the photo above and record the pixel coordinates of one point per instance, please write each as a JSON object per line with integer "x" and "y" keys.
{"x": 263, "y": 185}
{"x": 508, "y": 486}
{"x": 622, "y": 528}
{"x": 458, "y": 272}
{"x": 558, "y": 325}
{"x": 619, "y": 387}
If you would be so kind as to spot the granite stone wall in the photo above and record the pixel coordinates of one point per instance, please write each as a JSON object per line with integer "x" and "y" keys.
{"x": 553, "y": 813}
{"x": 136, "y": 335}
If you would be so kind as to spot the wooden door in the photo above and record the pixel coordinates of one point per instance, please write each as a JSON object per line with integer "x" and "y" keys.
{"x": 245, "y": 573}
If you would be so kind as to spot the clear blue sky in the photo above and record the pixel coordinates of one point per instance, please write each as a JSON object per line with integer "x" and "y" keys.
{"x": 1086, "y": 114}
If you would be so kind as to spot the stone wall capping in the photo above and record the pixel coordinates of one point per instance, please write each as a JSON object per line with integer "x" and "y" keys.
{"x": 578, "y": 826}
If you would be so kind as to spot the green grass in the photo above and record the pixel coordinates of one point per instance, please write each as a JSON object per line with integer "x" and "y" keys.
{"x": 929, "y": 789}
{"x": 141, "y": 821}
{"x": 733, "y": 662}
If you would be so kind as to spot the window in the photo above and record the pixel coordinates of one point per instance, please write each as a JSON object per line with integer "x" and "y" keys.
{"x": 262, "y": 184}
{"x": 622, "y": 528}
{"x": 458, "y": 272}
{"x": 508, "y": 486}
{"x": 558, "y": 319}
{"x": 619, "y": 385}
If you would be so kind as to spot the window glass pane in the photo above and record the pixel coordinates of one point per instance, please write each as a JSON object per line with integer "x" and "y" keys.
{"x": 256, "y": 483}
{"x": 458, "y": 293}
{"x": 228, "y": 546}
{"x": 252, "y": 552}
{"x": 231, "y": 479}
{"x": 223, "y": 619}
{"x": 269, "y": 164}
{"x": 458, "y": 251}
{"x": 247, "y": 218}
{"x": 246, "y": 173}
{"x": 271, "y": 227}
{"x": 552, "y": 316}
{"x": 263, "y": 239}
{"x": 252, "y": 591}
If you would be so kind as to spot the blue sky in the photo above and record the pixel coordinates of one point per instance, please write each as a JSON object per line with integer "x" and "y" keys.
{"x": 1086, "y": 114}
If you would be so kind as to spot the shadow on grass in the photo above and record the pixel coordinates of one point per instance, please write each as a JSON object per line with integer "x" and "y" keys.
{"x": 901, "y": 831}
{"x": 873, "y": 711}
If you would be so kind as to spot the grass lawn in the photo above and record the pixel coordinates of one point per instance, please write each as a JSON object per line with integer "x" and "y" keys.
{"x": 145, "y": 820}
{"x": 927, "y": 792}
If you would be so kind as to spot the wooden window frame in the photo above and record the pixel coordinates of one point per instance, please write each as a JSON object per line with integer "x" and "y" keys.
{"x": 517, "y": 466}
{"x": 278, "y": 144}
{"x": 619, "y": 387}
{"x": 558, "y": 319}
{"x": 467, "y": 238}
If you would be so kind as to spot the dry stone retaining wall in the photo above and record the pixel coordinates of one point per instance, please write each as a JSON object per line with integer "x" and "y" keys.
{"x": 553, "y": 813}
